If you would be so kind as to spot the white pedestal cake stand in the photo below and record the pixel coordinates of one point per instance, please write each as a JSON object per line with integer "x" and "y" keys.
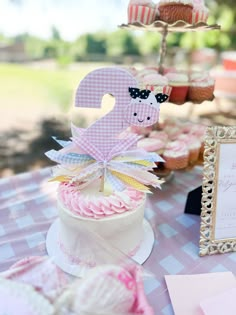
{"x": 78, "y": 270}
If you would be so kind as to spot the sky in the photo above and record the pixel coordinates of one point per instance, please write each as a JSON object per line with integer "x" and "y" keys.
{"x": 71, "y": 17}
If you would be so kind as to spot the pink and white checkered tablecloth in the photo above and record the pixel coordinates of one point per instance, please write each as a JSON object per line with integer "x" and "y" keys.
{"x": 27, "y": 209}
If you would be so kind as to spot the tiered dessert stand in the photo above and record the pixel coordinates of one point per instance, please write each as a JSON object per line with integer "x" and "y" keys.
{"x": 165, "y": 28}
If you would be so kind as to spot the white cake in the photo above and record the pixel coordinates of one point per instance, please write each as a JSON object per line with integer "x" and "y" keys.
{"x": 84, "y": 214}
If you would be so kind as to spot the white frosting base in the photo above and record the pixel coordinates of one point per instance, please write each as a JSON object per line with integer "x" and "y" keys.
{"x": 123, "y": 231}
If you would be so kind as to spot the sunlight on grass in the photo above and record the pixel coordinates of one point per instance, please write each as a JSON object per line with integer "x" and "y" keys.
{"x": 32, "y": 92}
{"x": 23, "y": 85}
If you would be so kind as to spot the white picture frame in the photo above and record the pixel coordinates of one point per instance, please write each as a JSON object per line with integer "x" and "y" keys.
{"x": 218, "y": 213}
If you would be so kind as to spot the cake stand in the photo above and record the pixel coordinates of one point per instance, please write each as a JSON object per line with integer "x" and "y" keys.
{"x": 78, "y": 270}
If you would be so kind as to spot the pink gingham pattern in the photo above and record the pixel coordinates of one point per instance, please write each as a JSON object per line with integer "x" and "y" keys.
{"x": 143, "y": 14}
{"x": 103, "y": 135}
{"x": 28, "y": 207}
{"x": 115, "y": 81}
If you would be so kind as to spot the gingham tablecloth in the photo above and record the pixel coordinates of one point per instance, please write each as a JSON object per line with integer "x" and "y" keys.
{"x": 28, "y": 207}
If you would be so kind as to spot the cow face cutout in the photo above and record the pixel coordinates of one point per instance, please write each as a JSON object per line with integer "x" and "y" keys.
{"x": 143, "y": 110}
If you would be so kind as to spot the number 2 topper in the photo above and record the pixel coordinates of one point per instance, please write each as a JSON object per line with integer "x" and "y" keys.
{"x": 99, "y": 151}
{"x": 132, "y": 106}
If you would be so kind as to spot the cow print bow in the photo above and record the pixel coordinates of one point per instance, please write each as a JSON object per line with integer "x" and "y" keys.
{"x": 144, "y": 94}
{"x": 135, "y": 92}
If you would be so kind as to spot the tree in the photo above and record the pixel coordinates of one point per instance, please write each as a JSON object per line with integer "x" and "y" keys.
{"x": 122, "y": 43}
{"x": 89, "y": 44}
{"x": 56, "y": 34}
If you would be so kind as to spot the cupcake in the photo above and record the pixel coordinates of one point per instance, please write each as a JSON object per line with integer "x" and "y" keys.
{"x": 173, "y": 132}
{"x": 146, "y": 71}
{"x": 161, "y": 135}
{"x": 173, "y": 128}
{"x": 200, "y": 12}
{"x": 176, "y": 155}
{"x": 152, "y": 145}
{"x": 156, "y": 83}
{"x": 142, "y": 11}
{"x": 141, "y": 131}
{"x": 180, "y": 84}
{"x": 193, "y": 144}
{"x": 171, "y": 11}
{"x": 199, "y": 131}
{"x": 201, "y": 87}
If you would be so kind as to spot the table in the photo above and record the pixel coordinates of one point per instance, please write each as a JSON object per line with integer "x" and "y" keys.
{"x": 27, "y": 209}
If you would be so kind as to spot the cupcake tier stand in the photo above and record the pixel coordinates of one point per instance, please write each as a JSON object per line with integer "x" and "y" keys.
{"x": 165, "y": 28}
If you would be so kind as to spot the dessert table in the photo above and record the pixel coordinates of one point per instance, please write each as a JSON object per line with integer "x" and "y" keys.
{"x": 28, "y": 207}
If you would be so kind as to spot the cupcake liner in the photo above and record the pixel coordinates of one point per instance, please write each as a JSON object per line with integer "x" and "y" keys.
{"x": 199, "y": 16}
{"x": 175, "y": 163}
{"x": 193, "y": 155}
{"x": 171, "y": 13}
{"x": 202, "y": 148}
{"x": 159, "y": 89}
{"x": 198, "y": 94}
{"x": 142, "y": 14}
{"x": 178, "y": 94}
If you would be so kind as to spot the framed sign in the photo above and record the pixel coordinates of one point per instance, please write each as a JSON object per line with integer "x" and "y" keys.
{"x": 218, "y": 215}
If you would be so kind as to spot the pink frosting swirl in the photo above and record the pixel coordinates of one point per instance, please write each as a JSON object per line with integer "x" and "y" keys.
{"x": 151, "y": 144}
{"x": 176, "y": 148}
{"x": 96, "y": 205}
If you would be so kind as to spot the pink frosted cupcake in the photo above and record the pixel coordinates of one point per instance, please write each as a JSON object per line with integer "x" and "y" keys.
{"x": 200, "y": 12}
{"x": 193, "y": 144}
{"x": 180, "y": 84}
{"x": 173, "y": 132}
{"x": 156, "y": 83}
{"x": 176, "y": 155}
{"x": 173, "y": 128}
{"x": 152, "y": 145}
{"x": 161, "y": 135}
{"x": 142, "y": 73}
{"x": 199, "y": 132}
{"x": 201, "y": 87}
{"x": 142, "y": 11}
{"x": 171, "y": 11}
{"x": 142, "y": 131}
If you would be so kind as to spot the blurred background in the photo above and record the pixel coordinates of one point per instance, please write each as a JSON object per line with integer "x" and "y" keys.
{"x": 48, "y": 46}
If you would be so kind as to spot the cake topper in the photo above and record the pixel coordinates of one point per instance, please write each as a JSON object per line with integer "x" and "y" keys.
{"x": 105, "y": 149}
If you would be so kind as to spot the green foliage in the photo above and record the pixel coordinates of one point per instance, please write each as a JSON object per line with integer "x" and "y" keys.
{"x": 4, "y": 40}
{"x": 148, "y": 43}
{"x": 121, "y": 43}
{"x": 89, "y": 44}
{"x": 55, "y": 33}
{"x": 35, "y": 47}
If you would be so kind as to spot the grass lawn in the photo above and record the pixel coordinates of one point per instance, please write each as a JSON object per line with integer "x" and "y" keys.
{"x": 30, "y": 91}
{"x": 37, "y": 102}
